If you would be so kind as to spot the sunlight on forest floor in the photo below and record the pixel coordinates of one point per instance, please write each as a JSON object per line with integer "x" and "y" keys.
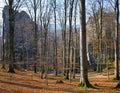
{"x": 29, "y": 82}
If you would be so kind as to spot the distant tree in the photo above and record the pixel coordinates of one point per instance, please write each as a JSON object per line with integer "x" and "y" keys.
{"x": 75, "y": 43}
{"x": 117, "y": 39}
{"x": 64, "y": 59}
{"x": 71, "y": 3}
{"x": 96, "y": 18}
{"x": 115, "y": 6}
{"x": 46, "y": 22}
{"x": 99, "y": 67}
{"x": 62, "y": 13}
{"x": 54, "y": 4}
{"x": 61, "y": 20}
{"x": 33, "y": 6}
{"x": 3, "y": 44}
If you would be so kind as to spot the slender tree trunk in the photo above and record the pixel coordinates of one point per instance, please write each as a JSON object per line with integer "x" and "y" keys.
{"x": 70, "y": 41}
{"x": 27, "y": 55}
{"x": 75, "y": 44}
{"x": 74, "y": 63}
{"x": 63, "y": 52}
{"x": 3, "y": 47}
{"x": 41, "y": 42}
{"x": 11, "y": 34}
{"x": 55, "y": 43}
{"x": 101, "y": 18}
{"x": 44, "y": 53}
{"x": 45, "y": 50}
{"x": 64, "y": 38}
{"x": 98, "y": 56}
{"x": 23, "y": 50}
{"x": 117, "y": 39}
{"x": 35, "y": 36}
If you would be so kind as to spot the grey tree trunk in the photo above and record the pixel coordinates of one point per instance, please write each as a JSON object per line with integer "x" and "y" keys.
{"x": 117, "y": 39}
{"x": 100, "y": 32}
{"x": 11, "y": 34}
{"x": 32, "y": 6}
{"x": 64, "y": 38}
{"x": 3, "y": 46}
{"x": 55, "y": 42}
{"x": 70, "y": 41}
{"x": 83, "y": 53}
{"x": 35, "y": 35}
{"x": 46, "y": 22}
{"x": 75, "y": 44}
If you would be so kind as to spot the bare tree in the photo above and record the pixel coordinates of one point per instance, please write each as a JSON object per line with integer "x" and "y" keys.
{"x": 64, "y": 37}
{"x": 75, "y": 44}
{"x": 97, "y": 23}
{"x": 61, "y": 20}
{"x": 13, "y": 5}
{"x": 54, "y": 4}
{"x": 83, "y": 56}
{"x": 46, "y": 22}
{"x": 115, "y": 6}
{"x": 117, "y": 39}
{"x": 99, "y": 67}
{"x": 32, "y": 6}
{"x": 3, "y": 44}
{"x": 70, "y": 40}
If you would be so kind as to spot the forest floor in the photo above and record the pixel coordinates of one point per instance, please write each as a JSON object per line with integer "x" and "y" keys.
{"x": 29, "y": 82}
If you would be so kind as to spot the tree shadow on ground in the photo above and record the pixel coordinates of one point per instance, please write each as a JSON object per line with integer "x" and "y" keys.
{"x": 36, "y": 87}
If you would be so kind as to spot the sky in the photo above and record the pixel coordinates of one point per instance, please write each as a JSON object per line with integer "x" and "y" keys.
{"x": 1, "y": 8}
{"x": 2, "y": 4}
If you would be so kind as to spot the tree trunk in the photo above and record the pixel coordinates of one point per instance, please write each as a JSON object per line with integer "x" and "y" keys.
{"x": 117, "y": 39}
{"x": 75, "y": 43}
{"x": 35, "y": 35}
{"x": 70, "y": 41}
{"x": 101, "y": 18}
{"x": 11, "y": 34}
{"x": 83, "y": 54}
{"x": 55, "y": 43}
{"x": 3, "y": 46}
{"x": 64, "y": 38}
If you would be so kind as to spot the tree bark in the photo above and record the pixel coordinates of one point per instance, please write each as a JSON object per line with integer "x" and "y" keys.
{"x": 11, "y": 34}
{"x": 117, "y": 39}
{"x": 55, "y": 42}
{"x": 3, "y": 46}
{"x": 64, "y": 37}
{"x": 35, "y": 35}
{"x": 70, "y": 41}
{"x": 83, "y": 54}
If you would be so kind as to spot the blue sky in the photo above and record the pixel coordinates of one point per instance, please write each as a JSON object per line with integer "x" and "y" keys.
{"x": 1, "y": 8}
{"x": 2, "y": 3}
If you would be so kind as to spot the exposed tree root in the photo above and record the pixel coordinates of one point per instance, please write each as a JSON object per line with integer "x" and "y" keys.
{"x": 85, "y": 85}
{"x": 3, "y": 67}
{"x": 11, "y": 71}
{"x": 66, "y": 77}
{"x": 118, "y": 85}
{"x": 41, "y": 76}
{"x": 115, "y": 78}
